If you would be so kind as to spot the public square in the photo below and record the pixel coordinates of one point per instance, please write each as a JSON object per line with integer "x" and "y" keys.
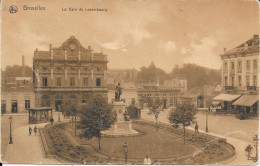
{"x": 15, "y": 153}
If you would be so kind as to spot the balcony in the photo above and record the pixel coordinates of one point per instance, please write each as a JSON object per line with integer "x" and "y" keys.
{"x": 229, "y": 88}
{"x": 251, "y": 88}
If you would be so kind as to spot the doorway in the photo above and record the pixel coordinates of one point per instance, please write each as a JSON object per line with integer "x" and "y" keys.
{"x": 58, "y": 105}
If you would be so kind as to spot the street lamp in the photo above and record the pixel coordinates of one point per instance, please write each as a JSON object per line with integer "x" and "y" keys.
{"x": 59, "y": 116}
{"x": 126, "y": 151}
{"x": 207, "y": 130}
{"x": 256, "y": 141}
{"x": 11, "y": 138}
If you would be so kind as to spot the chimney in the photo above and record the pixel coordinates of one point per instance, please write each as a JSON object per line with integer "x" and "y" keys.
{"x": 255, "y": 39}
{"x": 23, "y": 67}
{"x": 225, "y": 50}
{"x": 50, "y": 47}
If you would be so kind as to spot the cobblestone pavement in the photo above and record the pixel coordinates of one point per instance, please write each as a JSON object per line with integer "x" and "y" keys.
{"x": 25, "y": 149}
{"x": 239, "y": 133}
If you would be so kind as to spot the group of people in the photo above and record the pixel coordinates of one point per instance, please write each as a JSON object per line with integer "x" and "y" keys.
{"x": 34, "y": 130}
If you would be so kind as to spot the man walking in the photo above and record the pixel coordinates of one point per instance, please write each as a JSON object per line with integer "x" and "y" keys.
{"x": 196, "y": 129}
{"x": 30, "y": 130}
{"x": 35, "y": 130}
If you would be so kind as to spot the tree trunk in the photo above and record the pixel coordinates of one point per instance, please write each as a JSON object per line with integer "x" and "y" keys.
{"x": 156, "y": 119}
{"x": 184, "y": 134}
{"x": 99, "y": 146}
{"x": 75, "y": 127}
{"x": 72, "y": 121}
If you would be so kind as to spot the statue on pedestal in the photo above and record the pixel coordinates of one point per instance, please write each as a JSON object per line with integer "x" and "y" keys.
{"x": 118, "y": 92}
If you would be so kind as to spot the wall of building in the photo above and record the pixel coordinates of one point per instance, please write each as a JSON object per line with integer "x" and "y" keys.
{"x": 243, "y": 72}
{"x": 20, "y": 97}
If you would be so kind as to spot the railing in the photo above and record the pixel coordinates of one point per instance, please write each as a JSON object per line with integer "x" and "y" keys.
{"x": 229, "y": 87}
{"x": 251, "y": 88}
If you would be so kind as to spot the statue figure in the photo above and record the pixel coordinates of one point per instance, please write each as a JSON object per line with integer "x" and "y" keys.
{"x": 118, "y": 92}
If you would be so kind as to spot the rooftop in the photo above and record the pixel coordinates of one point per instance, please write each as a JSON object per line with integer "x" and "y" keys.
{"x": 252, "y": 45}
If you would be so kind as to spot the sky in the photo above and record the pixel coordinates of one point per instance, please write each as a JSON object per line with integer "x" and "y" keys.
{"x": 131, "y": 32}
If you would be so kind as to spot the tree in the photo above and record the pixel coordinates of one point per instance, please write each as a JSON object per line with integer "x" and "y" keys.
{"x": 71, "y": 108}
{"x": 184, "y": 115}
{"x": 155, "y": 107}
{"x": 96, "y": 115}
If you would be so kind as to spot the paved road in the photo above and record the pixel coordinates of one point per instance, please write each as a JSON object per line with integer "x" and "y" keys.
{"x": 239, "y": 133}
{"x": 26, "y": 149}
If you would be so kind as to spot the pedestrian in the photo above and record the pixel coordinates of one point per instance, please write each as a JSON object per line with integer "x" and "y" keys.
{"x": 51, "y": 120}
{"x": 30, "y": 130}
{"x": 147, "y": 161}
{"x": 35, "y": 130}
{"x": 84, "y": 161}
{"x": 196, "y": 128}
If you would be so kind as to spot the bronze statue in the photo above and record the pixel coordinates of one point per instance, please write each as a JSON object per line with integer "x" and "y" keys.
{"x": 118, "y": 92}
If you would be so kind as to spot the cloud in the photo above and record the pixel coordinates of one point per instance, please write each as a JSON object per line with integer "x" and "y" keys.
{"x": 123, "y": 50}
{"x": 203, "y": 52}
{"x": 184, "y": 50}
{"x": 168, "y": 47}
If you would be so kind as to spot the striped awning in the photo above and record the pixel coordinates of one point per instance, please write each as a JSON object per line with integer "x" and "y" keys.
{"x": 247, "y": 100}
{"x": 227, "y": 97}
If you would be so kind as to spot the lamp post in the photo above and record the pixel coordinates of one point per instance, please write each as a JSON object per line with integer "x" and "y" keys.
{"x": 11, "y": 138}
{"x": 256, "y": 141}
{"x": 126, "y": 151}
{"x": 207, "y": 129}
{"x": 59, "y": 116}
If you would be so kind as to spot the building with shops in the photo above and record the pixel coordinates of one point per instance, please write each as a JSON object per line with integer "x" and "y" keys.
{"x": 70, "y": 71}
{"x": 168, "y": 95}
{"x": 240, "y": 83}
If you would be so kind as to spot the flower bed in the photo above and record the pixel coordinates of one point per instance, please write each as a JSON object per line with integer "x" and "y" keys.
{"x": 59, "y": 145}
{"x": 210, "y": 149}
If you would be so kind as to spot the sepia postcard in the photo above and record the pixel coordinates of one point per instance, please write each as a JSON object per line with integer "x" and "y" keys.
{"x": 130, "y": 82}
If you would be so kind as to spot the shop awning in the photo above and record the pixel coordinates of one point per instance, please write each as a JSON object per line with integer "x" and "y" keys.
{"x": 247, "y": 100}
{"x": 227, "y": 97}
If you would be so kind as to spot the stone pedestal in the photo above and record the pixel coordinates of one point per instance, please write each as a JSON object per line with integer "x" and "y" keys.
{"x": 120, "y": 127}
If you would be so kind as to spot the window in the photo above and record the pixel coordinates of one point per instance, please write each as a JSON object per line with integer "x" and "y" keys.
{"x": 171, "y": 101}
{"x": 72, "y": 81}
{"x": 232, "y": 65}
{"x": 225, "y": 66}
{"x": 226, "y": 81}
{"x": 58, "y": 81}
{"x": 175, "y": 101}
{"x": 98, "y": 82}
{"x": 133, "y": 101}
{"x": 255, "y": 81}
{"x": 239, "y": 66}
{"x": 255, "y": 64}
{"x": 239, "y": 80}
{"x": 27, "y": 104}
{"x": 85, "y": 81}
{"x": 247, "y": 80}
{"x": 247, "y": 65}
{"x": 232, "y": 81}
{"x": 44, "y": 81}
{"x": 3, "y": 106}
